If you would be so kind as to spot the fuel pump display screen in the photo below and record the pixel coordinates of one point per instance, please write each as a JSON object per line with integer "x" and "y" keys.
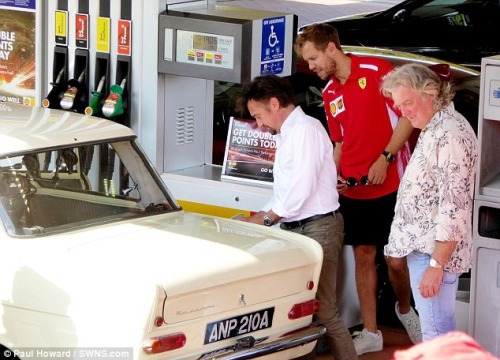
{"x": 205, "y": 42}
{"x": 205, "y": 49}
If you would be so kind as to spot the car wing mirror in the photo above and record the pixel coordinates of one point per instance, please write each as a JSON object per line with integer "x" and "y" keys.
{"x": 399, "y": 16}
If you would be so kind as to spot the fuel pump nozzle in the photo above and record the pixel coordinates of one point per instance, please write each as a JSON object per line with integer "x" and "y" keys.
{"x": 68, "y": 100}
{"x": 52, "y": 97}
{"x": 93, "y": 107}
{"x": 113, "y": 106}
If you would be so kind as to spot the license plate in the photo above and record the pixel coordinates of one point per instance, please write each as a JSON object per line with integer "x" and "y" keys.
{"x": 239, "y": 325}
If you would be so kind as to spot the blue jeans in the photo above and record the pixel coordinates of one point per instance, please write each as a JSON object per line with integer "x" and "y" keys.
{"x": 329, "y": 233}
{"x": 437, "y": 313}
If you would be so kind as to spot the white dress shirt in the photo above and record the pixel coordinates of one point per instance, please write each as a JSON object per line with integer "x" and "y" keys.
{"x": 305, "y": 176}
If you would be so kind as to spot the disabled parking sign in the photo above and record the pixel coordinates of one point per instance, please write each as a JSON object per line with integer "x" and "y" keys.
{"x": 273, "y": 46}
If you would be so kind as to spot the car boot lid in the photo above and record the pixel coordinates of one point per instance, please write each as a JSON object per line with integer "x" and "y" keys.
{"x": 232, "y": 255}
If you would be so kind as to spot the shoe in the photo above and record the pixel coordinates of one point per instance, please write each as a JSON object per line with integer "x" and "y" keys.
{"x": 411, "y": 322}
{"x": 365, "y": 342}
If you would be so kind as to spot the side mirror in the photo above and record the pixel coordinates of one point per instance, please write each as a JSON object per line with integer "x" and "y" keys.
{"x": 399, "y": 16}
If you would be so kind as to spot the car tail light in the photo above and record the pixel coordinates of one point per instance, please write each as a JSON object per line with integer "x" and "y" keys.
{"x": 164, "y": 343}
{"x": 302, "y": 310}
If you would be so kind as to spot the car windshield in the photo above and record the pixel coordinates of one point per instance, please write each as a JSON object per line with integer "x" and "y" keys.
{"x": 444, "y": 8}
{"x": 64, "y": 189}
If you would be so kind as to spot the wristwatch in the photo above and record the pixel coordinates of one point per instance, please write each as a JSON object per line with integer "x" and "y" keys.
{"x": 434, "y": 264}
{"x": 388, "y": 156}
{"x": 267, "y": 220}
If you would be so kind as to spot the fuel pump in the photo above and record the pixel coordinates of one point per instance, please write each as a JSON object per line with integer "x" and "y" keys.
{"x": 76, "y": 95}
{"x": 102, "y": 60}
{"x": 117, "y": 105}
{"x": 485, "y": 273}
{"x": 60, "y": 57}
{"x": 203, "y": 44}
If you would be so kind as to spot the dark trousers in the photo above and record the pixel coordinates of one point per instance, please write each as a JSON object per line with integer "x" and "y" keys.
{"x": 329, "y": 233}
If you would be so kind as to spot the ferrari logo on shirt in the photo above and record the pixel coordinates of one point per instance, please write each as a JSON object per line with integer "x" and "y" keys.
{"x": 337, "y": 106}
{"x": 362, "y": 82}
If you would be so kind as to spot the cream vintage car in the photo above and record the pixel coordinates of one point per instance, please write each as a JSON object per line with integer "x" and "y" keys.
{"x": 98, "y": 258}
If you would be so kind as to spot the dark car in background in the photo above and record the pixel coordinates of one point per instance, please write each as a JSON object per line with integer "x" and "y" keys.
{"x": 459, "y": 31}
{"x": 308, "y": 86}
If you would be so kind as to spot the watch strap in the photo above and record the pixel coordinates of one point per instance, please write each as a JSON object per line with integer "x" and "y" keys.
{"x": 388, "y": 156}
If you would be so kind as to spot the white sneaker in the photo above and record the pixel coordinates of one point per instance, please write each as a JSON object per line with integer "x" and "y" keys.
{"x": 411, "y": 322}
{"x": 365, "y": 342}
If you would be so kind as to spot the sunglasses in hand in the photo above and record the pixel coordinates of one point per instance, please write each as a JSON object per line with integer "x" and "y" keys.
{"x": 352, "y": 181}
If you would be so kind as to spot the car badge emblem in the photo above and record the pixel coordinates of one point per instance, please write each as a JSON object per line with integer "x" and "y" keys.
{"x": 362, "y": 82}
{"x": 242, "y": 300}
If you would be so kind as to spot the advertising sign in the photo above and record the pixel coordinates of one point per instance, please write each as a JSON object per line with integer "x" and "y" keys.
{"x": 249, "y": 155}
{"x": 20, "y": 4}
{"x": 18, "y": 52}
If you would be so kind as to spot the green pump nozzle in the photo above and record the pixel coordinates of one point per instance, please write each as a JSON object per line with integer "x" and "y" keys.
{"x": 113, "y": 106}
{"x": 93, "y": 107}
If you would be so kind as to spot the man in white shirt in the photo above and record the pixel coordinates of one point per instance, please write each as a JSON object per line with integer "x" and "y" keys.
{"x": 305, "y": 198}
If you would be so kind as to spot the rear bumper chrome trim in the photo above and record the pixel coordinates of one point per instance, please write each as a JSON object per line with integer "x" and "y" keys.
{"x": 281, "y": 344}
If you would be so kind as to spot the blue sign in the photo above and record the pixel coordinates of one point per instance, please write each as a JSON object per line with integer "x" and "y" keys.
{"x": 275, "y": 67}
{"x": 22, "y": 4}
{"x": 273, "y": 45}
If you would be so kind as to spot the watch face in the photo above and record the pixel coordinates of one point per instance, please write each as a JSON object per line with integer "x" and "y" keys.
{"x": 434, "y": 264}
{"x": 267, "y": 221}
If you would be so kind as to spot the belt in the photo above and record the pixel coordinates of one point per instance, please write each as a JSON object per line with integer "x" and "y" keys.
{"x": 294, "y": 224}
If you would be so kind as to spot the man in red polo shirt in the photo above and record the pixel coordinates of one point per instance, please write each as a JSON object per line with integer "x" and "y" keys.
{"x": 371, "y": 153}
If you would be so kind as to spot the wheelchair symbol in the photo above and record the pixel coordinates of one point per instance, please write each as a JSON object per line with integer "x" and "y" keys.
{"x": 273, "y": 39}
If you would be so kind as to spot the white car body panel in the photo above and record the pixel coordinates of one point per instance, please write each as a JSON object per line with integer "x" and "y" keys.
{"x": 103, "y": 285}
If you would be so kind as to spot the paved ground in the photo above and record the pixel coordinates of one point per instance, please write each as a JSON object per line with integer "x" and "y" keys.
{"x": 309, "y": 11}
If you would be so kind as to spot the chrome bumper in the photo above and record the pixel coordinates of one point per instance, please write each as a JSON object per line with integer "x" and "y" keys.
{"x": 281, "y": 344}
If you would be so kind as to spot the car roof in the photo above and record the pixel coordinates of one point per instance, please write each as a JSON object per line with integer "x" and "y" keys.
{"x": 25, "y": 128}
{"x": 398, "y": 58}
